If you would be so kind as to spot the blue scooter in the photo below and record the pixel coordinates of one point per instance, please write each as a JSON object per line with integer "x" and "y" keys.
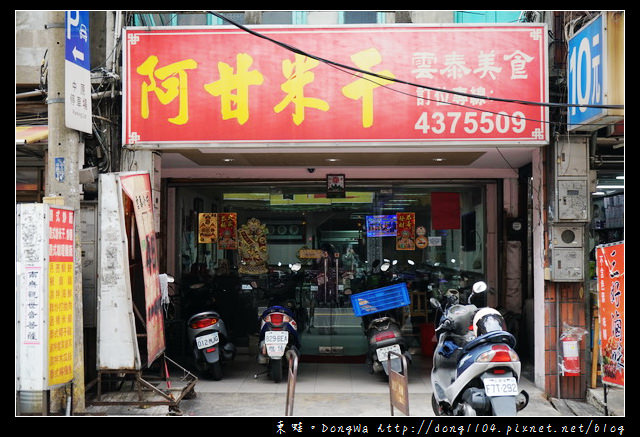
{"x": 278, "y": 334}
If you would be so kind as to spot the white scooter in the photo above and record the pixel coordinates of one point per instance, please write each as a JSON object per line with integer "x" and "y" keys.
{"x": 475, "y": 369}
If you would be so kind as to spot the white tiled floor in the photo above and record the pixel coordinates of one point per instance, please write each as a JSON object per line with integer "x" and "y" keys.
{"x": 313, "y": 378}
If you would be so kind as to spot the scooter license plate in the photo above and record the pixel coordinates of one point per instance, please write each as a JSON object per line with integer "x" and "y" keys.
{"x": 208, "y": 340}
{"x": 501, "y": 386}
{"x": 383, "y": 352}
{"x": 276, "y": 342}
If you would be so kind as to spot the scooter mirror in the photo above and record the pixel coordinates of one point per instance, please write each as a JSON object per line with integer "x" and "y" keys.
{"x": 479, "y": 287}
{"x": 434, "y": 303}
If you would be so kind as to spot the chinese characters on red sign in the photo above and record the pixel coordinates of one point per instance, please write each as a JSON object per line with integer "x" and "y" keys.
{"x": 61, "y": 267}
{"x": 225, "y": 85}
{"x": 610, "y": 266}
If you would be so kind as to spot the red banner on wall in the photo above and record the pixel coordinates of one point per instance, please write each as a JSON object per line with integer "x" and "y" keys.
{"x": 445, "y": 210}
{"x": 214, "y": 84}
{"x": 610, "y": 268}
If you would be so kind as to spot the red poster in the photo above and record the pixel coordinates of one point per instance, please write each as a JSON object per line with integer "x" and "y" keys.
{"x": 406, "y": 231}
{"x": 610, "y": 267}
{"x": 227, "y": 230}
{"x": 445, "y": 211}
{"x": 138, "y": 187}
{"x": 222, "y": 84}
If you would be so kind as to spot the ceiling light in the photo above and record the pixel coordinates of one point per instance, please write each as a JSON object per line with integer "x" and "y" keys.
{"x": 332, "y": 159}
{"x": 610, "y": 187}
{"x": 439, "y": 159}
{"x": 227, "y": 159}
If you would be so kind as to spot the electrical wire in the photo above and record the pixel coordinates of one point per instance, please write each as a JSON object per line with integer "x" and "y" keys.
{"x": 380, "y": 76}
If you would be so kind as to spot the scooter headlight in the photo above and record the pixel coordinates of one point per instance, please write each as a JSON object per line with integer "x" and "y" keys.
{"x": 498, "y": 354}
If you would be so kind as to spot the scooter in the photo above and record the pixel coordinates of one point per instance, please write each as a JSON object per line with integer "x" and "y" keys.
{"x": 475, "y": 369}
{"x": 209, "y": 341}
{"x": 384, "y": 332}
{"x": 384, "y": 336}
{"x": 278, "y": 334}
{"x": 278, "y": 331}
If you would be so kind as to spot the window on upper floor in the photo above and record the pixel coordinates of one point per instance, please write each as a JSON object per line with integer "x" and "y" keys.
{"x": 486, "y": 16}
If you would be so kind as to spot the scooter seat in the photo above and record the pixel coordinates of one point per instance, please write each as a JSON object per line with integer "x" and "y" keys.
{"x": 491, "y": 337}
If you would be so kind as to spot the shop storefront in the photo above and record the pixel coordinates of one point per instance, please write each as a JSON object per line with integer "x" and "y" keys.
{"x": 430, "y": 235}
{"x": 324, "y": 151}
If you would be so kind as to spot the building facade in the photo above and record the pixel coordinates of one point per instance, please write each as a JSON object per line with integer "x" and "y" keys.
{"x": 428, "y": 162}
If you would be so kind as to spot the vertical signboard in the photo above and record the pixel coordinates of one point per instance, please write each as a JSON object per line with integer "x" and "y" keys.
{"x": 610, "y": 268}
{"x": 77, "y": 74}
{"x": 31, "y": 300}
{"x": 117, "y": 340}
{"x": 44, "y": 295}
{"x": 137, "y": 187}
{"x": 61, "y": 268}
{"x": 590, "y": 69}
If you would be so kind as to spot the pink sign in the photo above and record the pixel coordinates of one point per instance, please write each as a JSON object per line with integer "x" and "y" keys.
{"x": 199, "y": 85}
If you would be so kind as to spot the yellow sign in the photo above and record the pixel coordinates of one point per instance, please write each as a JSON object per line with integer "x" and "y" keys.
{"x": 61, "y": 267}
{"x": 207, "y": 227}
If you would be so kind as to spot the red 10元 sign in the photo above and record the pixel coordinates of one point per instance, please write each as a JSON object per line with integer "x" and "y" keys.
{"x": 221, "y": 84}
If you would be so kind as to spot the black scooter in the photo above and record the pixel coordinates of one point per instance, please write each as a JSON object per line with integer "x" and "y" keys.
{"x": 207, "y": 334}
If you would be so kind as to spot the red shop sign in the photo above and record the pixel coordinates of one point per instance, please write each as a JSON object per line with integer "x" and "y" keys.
{"x": 214, "y": 84}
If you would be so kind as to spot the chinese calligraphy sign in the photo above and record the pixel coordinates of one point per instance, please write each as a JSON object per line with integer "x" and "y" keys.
{"x": 61, "y": 268}
{"x": 610, "y": 272}
{"x": 199, "y": 85}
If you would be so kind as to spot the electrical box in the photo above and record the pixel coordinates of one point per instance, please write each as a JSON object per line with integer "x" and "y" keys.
{"x": 568, "y": 264}
{"x": 572, "y": 156}
{"x": 566, "y": 235}
{"x": 572, "y": 200}
{"x": 567, "y": 252}
{"x": 572, "y": 193}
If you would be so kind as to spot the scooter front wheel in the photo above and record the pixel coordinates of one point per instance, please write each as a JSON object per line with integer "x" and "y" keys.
{"x": 434, "y": 406}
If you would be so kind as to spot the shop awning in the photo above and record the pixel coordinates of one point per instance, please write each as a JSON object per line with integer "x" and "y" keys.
{"x": 31, "y": 134}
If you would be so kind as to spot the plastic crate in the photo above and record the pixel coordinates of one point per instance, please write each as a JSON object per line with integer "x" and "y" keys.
{"x": 380, "y": 299}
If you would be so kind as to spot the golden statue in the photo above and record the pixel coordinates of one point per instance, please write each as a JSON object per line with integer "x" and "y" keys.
{"x": 252, "y": 239}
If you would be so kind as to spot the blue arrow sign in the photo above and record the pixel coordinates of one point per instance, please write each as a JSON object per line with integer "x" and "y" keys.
{"x": 77, "y": 38}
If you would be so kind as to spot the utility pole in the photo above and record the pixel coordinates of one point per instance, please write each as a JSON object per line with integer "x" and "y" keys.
{"x": 65, "y": 158}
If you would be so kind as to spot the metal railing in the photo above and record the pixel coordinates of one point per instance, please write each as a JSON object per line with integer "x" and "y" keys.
{"x": 291, "y": 381}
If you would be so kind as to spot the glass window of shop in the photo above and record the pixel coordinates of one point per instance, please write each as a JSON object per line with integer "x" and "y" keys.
{"x": 430, "y": 236}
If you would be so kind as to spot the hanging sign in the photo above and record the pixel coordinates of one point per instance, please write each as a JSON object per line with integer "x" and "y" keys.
{"x": 227, "y": 230}
{"x": 610, "y": 273}
{"x": 595, "y": 73}
{"x": 77, "y": 72}
{"x": 207, "y": 227}
{"x": 406, "y": 231}
{"x": 225, "y": 85}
